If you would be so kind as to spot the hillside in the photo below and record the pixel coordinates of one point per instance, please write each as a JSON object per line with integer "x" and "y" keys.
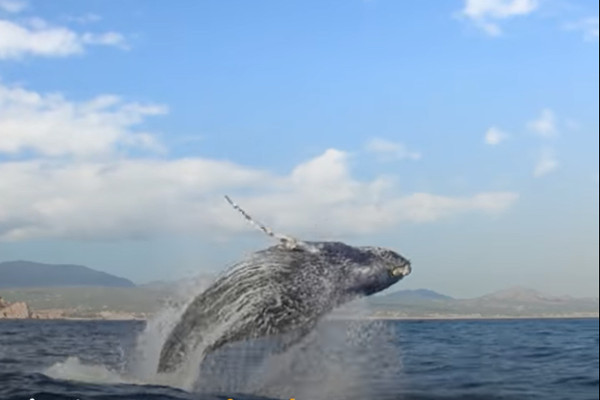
{"x": 22, "y": 274}
{"x": 82, "y": 301}
{"x": 514, "y": 302}
{"x": 101, "y": 302}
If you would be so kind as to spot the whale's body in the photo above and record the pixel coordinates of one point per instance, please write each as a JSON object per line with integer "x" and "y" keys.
{"x": 276, "y": 291}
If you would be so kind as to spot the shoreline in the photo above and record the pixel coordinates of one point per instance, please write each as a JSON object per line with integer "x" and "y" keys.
{"x": 464, "y": 317}
{"x": 348, "y": 318}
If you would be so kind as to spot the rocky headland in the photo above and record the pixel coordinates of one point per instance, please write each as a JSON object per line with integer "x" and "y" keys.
{"x": 21, "y": 310}
{"x": 17, "y": 310}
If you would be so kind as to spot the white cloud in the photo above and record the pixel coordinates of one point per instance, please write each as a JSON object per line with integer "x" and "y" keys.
{"x": 498, "y": 8}
{"x": 544, "y": 125}
{"x": 494, "y": 136}
{"x": 50, "y": 125}
{"x": 425, "y": 207}
{"x": 588, "y": 26}
{"x": 37, "y": 38}
{"x": 546, "y": 163}
{"x": 64, "y": 192}
{"x": 388, "y": 150}
{"x": 142, "y": 198}
{"x": 486, "y": 13}
{"x": 12, "y": 6}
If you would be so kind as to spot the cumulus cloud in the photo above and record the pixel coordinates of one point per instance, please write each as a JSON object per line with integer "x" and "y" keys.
{"x": 55, "y": 185}
{"x": 588, "y": 26}
{"x": 36, "y": 37}
{"x": 83, "y": 197}
{"x": 486, "y": 13}
{"x": 50, "y": 125}
{"x": 545, "y": 125}
{"x": 389, "y": 150}
{"x": 141, "y": 198}
{"x": 494, "y": 136}
{"x": 546, "y": 163}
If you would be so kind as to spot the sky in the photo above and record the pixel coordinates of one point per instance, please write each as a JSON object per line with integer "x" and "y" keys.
{"x": 462, "y": 134}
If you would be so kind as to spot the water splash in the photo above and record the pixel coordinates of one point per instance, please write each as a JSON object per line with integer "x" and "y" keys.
{"x": 329, "y": 363}
{"x": 144, "y": 358}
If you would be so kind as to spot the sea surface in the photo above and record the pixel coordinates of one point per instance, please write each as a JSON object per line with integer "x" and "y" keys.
{"x": 379, "y": 360}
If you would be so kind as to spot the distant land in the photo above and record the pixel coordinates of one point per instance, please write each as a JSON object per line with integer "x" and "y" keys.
{"x": 516, "y": 302}
{"x": 22, "y": 274}
{"x": 34, "y": 290}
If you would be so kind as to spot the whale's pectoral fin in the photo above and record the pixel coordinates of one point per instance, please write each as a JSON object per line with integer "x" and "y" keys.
{"x": 183, "y": 339}
{"x": 285, "y": 241}
{"x": 172, "y": 354}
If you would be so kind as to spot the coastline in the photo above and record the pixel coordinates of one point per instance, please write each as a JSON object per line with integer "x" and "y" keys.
{"x": 337, "y": 318}
{"x": 76, "y": 304}
{"x": 467, "y": 317}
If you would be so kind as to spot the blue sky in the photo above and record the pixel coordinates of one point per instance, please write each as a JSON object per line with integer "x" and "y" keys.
{"x": 463, "y": 134}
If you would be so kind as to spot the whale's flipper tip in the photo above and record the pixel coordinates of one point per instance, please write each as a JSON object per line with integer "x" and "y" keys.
{"x": 286, "y": 242}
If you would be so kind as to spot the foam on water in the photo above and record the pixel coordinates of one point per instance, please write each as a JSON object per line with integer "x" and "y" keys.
{"x": 74, "y": 370}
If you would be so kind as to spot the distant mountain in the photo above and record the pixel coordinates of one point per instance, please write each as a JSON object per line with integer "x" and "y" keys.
{"x": 21, "y": 274}
{"x": 522, "y": 294}
{"x": 513, "y": 302}
{"x": 519, "y": 300}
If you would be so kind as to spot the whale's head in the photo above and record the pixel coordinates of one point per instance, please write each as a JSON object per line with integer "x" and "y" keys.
{"x": 386, "y": 268}
{"x": 362, "y": 271}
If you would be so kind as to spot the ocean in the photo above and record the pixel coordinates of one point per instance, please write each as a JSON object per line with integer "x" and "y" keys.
{"x": 345, "y": 360}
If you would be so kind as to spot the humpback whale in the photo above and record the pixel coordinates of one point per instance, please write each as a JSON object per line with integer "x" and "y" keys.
{"x": 281, "y": 291}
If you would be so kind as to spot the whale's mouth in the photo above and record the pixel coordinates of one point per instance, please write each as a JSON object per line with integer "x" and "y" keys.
{"x": 401, "y": 271}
